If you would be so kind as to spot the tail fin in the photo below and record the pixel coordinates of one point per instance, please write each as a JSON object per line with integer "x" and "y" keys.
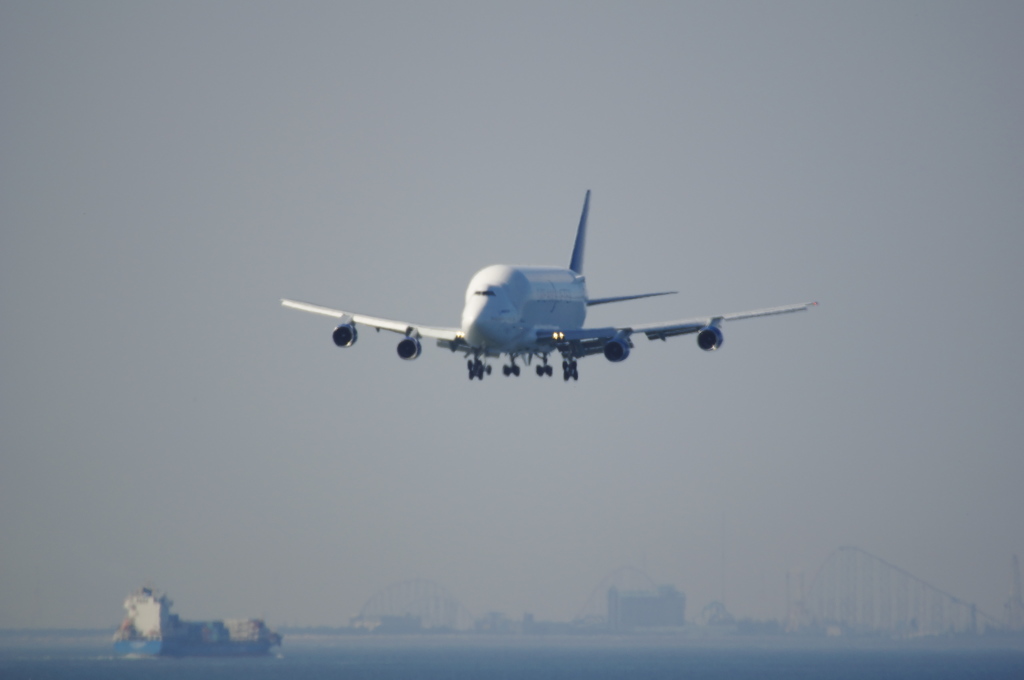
{"x": 576, "y": 264}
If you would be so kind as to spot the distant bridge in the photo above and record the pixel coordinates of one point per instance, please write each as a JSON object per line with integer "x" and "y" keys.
{"x": 856, "y": 592}
{"x": 434, "y": 606}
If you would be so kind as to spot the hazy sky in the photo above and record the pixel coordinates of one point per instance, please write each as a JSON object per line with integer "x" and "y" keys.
{"x": 170, "y": 170}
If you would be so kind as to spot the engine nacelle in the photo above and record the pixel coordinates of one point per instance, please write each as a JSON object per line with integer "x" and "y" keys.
{"x": 616, "y": 349}
{"x": 710, "y": 338}
{"x": 345, "y": 335}
{"x": 409, "y": 348}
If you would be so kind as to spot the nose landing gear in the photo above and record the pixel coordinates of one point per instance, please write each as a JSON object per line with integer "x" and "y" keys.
{"x": 569, "y": 370}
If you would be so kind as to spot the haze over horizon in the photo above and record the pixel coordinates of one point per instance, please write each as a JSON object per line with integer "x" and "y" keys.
{"x": 171, "y": 170}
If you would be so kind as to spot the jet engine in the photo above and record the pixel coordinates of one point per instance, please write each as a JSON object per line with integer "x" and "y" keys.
{"x": 409, "y": 348}
{"x": 345, "y": 335}
{"x": 710, "y": 338}
{"x": 616, "y": 349}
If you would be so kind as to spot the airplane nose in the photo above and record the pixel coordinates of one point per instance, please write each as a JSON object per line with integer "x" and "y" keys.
{"x": 485, "y": 326}
{"x": 471, "y": 315}
{"x": 480, "y": 333}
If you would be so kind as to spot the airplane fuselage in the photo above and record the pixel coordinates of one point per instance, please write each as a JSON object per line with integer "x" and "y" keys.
{"x": 506, "y": 306}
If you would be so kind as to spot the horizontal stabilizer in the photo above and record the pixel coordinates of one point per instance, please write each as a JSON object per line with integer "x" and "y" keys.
{"x": 602, "y": 301}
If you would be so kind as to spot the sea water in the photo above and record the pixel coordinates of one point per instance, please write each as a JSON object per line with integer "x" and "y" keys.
{"x": 515, "y": 658}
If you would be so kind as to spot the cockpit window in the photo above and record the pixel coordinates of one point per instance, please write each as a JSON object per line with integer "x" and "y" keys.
{"x": 489, "y": 293}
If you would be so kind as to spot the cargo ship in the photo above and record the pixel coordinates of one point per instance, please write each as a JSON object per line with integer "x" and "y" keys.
{"x": 150, "y": 629}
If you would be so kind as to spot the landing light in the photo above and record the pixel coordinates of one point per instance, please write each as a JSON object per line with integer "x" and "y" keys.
{"x": 558, "y": 336}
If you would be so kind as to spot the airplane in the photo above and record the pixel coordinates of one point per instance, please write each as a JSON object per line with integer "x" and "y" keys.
{"x": 534, "y": 312}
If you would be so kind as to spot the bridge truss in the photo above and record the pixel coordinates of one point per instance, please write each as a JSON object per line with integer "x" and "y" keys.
{"x": 859, "y": 593}
{"x": 434, "y": 606}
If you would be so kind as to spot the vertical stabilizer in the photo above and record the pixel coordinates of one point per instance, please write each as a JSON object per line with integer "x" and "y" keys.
{"x": 581, "y": 238}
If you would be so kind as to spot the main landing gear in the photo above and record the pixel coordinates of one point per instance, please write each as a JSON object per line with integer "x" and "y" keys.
{"x": 544, "y": 369}
{"x": 477, "y": 369}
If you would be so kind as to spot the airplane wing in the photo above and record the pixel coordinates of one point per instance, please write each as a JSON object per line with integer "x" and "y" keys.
{"x": 661, "y": 331}
{"x": 588, "y": 341}
{"x": 403, "y": 327}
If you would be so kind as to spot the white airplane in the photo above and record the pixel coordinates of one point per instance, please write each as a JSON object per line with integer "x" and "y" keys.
{"x": 528, "y": 312}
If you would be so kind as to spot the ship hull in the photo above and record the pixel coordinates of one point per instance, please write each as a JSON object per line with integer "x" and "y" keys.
{"x": 150, "y": 629}
{"x": 138, "y": 647}
{"x": 174, "y": 648}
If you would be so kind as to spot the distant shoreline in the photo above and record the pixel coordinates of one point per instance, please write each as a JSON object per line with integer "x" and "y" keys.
{"x": 298, "y": 638}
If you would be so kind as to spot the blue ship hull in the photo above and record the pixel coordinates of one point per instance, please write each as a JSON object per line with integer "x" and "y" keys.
{"x": 165, "y": 634}
{"x": 181, "y": 648}
{"x": 138, "y": 647}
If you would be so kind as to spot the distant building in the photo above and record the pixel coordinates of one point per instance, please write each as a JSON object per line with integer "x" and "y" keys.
{"x": 389, "y": 625}
{"x": 663, "y": 608}
{"x": 496, "y": 623}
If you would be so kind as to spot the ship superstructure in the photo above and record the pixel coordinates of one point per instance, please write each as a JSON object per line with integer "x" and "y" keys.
{"x": 150, "y": 629}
